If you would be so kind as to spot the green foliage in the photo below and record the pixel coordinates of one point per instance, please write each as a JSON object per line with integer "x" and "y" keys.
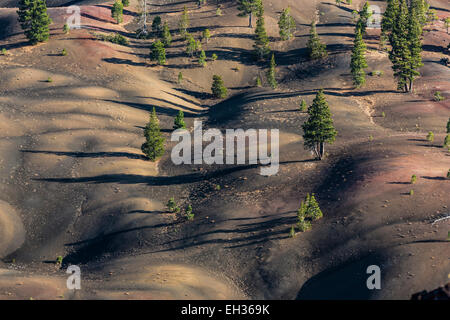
{"x": 430, "y": 136}
{"x": 248, "y": 8}
{"x": 358, "y": 61}
{"x": 49, "y": 80}
{"x": 166, "y": 36}
{"x": 189, "y": 214}
{"x": 214, "y": 57}
{"x": 153, "y": 148}
{"x": 413, "y": 179}
{"x": 319, "y": 129}
{"x": 447, "y": 23}
{"x": 34, "y": 20}
{"x": 113, "y": 38}
{"x": 364, "y": 16}
{"x": 448, "y": 125}
{"x": 179, "y": 121}
{"x": 261, "y": 46}
{"x": 117, "y": 11}
{"x": 183, "y": 24}
{"x": 158, "y": 52}
{"x": 191, "y": 47}
{"x": 411, "y": 192}
{"x": 316, "y": 49}
{"x": 66, "y": 28}
{"x": 172, "y": 206}
{"x": 157, "y": 25}
{"x": 303, "y": 106}
{"x": 438, "y": 96}
{"x": 64, "y": 52}
{"x": 383, "y": 114}
{"x": 218, "y": 88}
{"x": 217, "y": 187}
{"x": 258, "y": 81}
{"x": 448, "y": 176}
{"x": 271, "y": 73}
{"x": 3, "y": 52}
{"x": 292, "y": 232}
{"x": 202, "y": 58}
{"x": 126, "y": 3}
{"x": 59, "y": 260}
{"x": 447, "y": 141}
{"x": 180, "y": 77}
{"x": 218, "y": 12}
{"x": 377, "y": 73}
{"x": 286, "y": 25}
{"x": 206, "y": 35}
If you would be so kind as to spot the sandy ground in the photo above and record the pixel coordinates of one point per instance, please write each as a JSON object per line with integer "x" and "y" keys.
{"x": 75, "y": 184}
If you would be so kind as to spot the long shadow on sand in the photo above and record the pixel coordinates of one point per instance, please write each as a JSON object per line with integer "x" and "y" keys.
{"x": 89, "y": 154}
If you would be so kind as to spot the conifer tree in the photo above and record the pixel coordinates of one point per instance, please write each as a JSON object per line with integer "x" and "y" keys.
{"x": 303, "y": 106}
{"x": 202, "y": 58}
{"x": 126, "y": 3}
{"x": 313, "y": 210}
{"x": 117, "y": 11}
{"x": 218, "y": 88}
{"x": 261, "y": 46}
{"x": 364, "y": 16}
{"x": 153, "y": 148}
{"x": 319, "y": 129}
{"x": 180, "y": 77}
{"x": 158, "y": 52}
{"x": 271, "y": 73}
{"x": 66, "y": 28}
{"x": 400, "y": 53}
{"x": 206, "y": 35}
{"x": 179, "y": 121}
{"x": 157, "y": 25}
{"x": 447, "y": 23}
{"x": 447, "y": 141}
{"x": 191, "y": 45}
{"x": 316, "y": 49}
{"x": 286, "y": 25}
{"x": 248, "y": 8}
{"x": 389, "y": 17}
{"x": 34, "y": 20}
{"x": 448, "y": 126}
{"x": 183, "y": 24}
{"x": 358, "y": 61}
{"x": 166, "y": 36}
{"x": 414, "y": 39}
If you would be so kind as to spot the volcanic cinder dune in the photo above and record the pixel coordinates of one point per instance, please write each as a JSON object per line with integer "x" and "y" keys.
{"x": 75, "y": 184}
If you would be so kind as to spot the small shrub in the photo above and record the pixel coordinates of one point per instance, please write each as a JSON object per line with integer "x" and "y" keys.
{"x": 411, "y": 192}
{"x": 214, "y": 57}
{"x": 438, "y": 96}
{"x": 189, "y": 214}
{"x": 218, "y": 12}
{"x": 64, "y": 52}
{"x": 303, "y": 106}
{"x": 370, "y": 138}
{"x": 4, "y": 52}
{"x": 172, "y": 206}
{"x": 303, "y": 225}
{"x": 66, "y": 28}
{"x": 218, "y": 88}
{"x": 447, "y": 142}
{"x": 49, "y": 80}
{"x": 59, "y": 260}
{"x": 180, "y": 77}
{"x": 383, "y": 114}
{"x": 448, "y": 174}
{"x": 292, "y": 232}
{"x": 217, "y": 187}
{"x": 258, "y": 82}
{"x": 413, "y": 179}
{"x": 377, "y": 73}
{"x": 430, "y": 136}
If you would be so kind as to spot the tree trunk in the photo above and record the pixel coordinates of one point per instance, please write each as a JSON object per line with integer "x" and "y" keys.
{"x": 322, "y": 150}
{"x": 250, "y": 17}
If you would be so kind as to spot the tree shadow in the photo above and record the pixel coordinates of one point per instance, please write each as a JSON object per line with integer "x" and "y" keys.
{"x": 89, "y": 154}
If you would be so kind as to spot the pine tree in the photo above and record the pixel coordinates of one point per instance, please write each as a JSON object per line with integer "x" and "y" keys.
{"x": 166, "y": 36}
{"x": 179, "y": 121}
{"x": 117, "y": 11}
{"x": 180, "y": 77}
{"x": 358, "y": 61}
{"x": 414, "y": 39}
{"x": 422, "y": 8}
{"x": 191, "y": 45}
{"x": 126, "y": 3}
{"x": 316, "y": 49}
{"x": 218, "y": 88}
{"x": 183, "y": 25}
{"x": 303, "y": 106}
{"x": 189, "y": 214}
{"x": 158, "y": 52}
{"x": 448, "y": 126}
{"x": 34, "y": 20}
{"x": 364, "y": 16}
{"x": 261, "y": 46}
{"x": 313, "y": 210}
{"x": 286, "y": 25}
{"x": 157, "y": 26}
{"x": 319, "y": 129}
{"x": 206, "y": 35}
{"x": 447, "y": 23}
{"x": 153, "y": 148}
{"x": 248, "y": 8}
{"x": 389, "y": 17}
{"x": 202, "y": 58}
{"x": 271, "y": 73}
{"x": 400, "y": 53}
{"x": 447, "y": 141}
{"x": 292, "y": 232}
